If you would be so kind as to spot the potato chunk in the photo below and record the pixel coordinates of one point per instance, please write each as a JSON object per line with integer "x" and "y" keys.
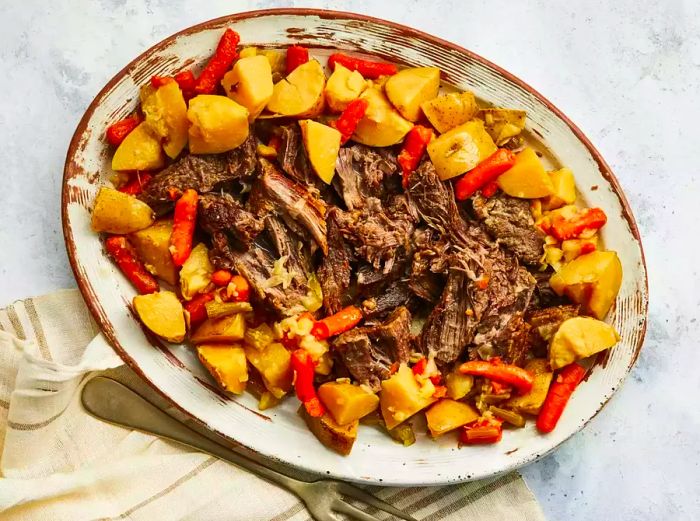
{"x": 347, "y": 402}
{"x": 564, "y": 189}
{"x": 591, "y": 280}
{"x": 343, "y": 87}
{"x": 578, "y": 338}
{"x": 140, "y": 150}
{"x": 527, "y": 178}
{"x": 450, "y": 110}
{"x": 460, "y": 149}
{"x": 458, "y": 384}
{"x": 502, "y": 124}
{"x": 227, "y": 365}
{"x": 274, "y": 363}
{"x": 339, "y": 438}
{"x": 382, "y": 125}
{"x": 195, "y": 275}
{"x": 218, "y": 124}
{"x": 116, "y": 212}
{"x": 447, "y": 415}
{"x": 226, "y": 329}
{"x": 409, "y": 88}
{"x": 402, "y": 396}
{"x": 166, "y": 116}
{"x": 162, "y": 313}
{"x": 300, "y": 94}
{"x": 322, "y": 144}
{"x": 532, "y": 401}
{"x": 152, "y": 247}
{"x": 249, "y": 83}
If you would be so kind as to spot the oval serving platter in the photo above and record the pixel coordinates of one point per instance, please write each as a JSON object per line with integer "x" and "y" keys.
{"x": 279, "y": 433}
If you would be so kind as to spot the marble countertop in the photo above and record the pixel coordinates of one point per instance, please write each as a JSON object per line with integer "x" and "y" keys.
{"x": 627, "y": 72}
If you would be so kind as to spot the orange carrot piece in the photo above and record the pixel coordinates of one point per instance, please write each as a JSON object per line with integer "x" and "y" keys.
{"x": 120, "y": 250}
{"x": 184, "y": 220}
{"x": 558, "y": 396}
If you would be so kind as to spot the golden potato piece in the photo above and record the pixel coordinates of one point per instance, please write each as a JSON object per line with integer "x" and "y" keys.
{"x": 227, "y": 329}
{"x": 140, "y": 150}
{"x": 249, "y": 83}
{"x": 531, "y": 402}
{"x": 448, "y": 415}
{"x": 218, "y": 124}
{"x": 274, "y": 363}
{"x": 458, "y": 385}
{"x": 450, "y": 110}
{"x": 502, "y": 124}
{"x": 322, "y": 144}
{"x": 591, "y": 280}
{"x": 227, "y": 365}
{"x": 195, "y": 275}
{"x": 166, "y": 116}
{"x": 527, "y": 178}
{"x": 346, "y": 402}
{"x": 343, "y": 87}
{"x": 339, "y": 438}
{"x": 402, "y": 396}
{"x": 162, "y": 313}
{"x": 409, "y": 88}
{"x": 117, "y": 212}
{"x": 578, "y": 338}
{"x": 382, "y": 125}
{"x": 152, "y": 247}
{"x": 564, "y": 189}
{"x": 300, "y": 94}
{"x": 460, "y": 149}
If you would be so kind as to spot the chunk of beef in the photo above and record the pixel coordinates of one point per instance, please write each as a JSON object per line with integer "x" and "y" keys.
{"x": 429, "y": 264}
{"x": 203, "y": 173}
{"x": 292, "y": 157}
{"x": 334, "y": 271}
{"x": 515, "y": 341}
{"x": 369, "y": 352}
{"x": 544, "y": 296}
{"x": 509, "y": 221}
{"x": 361, "y": 173}
{"x": 221, "y": 213}
{"x": 397, "y": 293}
{"x": 291, "y": 247}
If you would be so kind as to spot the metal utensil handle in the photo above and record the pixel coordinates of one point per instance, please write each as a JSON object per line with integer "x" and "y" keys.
{"x": 114, "y": 402}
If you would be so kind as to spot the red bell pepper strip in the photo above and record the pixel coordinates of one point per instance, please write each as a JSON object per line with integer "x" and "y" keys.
{"x": 184, "y": 220}
{"x": 483, "y": 431}
{"x": 436, "y": 379}
{"x": 221, "y": 277}
{"x": 116, "y": 132}
{"x": 303, "y": 367}
{"x": 440, "y": 391}
{"x": 420, "y": 365}
{"x": 490, "y": 189}
{"x": 369, "y": 69}
{"x": 349, "y": 118}
{"x": 159, "y": 81}
{"x": 484, "y": 173}
{"x": 342, "y": 321}
{"x": 503, "y": 373}
{"x": 558, "y": 396}
{"x": 589, "y": 219}
{"x": 197, "y": 308}
{"x": 296, "y": 55}
{"x": 120, "y": 250}
{"x": 136, "y": 183}
{"x": 218, "y": 64}
{"x": 187, "y": 83}
{"x": 413, "y": 149}
{"x": 242, "y": 289}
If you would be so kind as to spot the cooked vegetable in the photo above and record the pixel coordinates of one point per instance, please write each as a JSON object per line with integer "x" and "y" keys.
{"x": 460, "y": 149}
{"x": 166, "y": 115}
{"x": 403, "y": 433}
{"x": 119, "y": 249}
{"x": 458, "y": 384}
{"x": 527, "y": 178}
{"x": 564, "y": 189}
{"x": 267, "y": 401}
{"x": 187, "y": 83}
{"x": 116, "y": 212}
{"x": 277, "y": 60}
{"x": 152, "y": 246}
{"x": 342, "y": 321}
{"x": 247, "y": 52}
{"x": 558, "y": 396}
{"x": 162, "y": 313}
{"x": 116, "y": 132}
{"x": 343, "y": 87}
{"x": 301, "y": 93}
{"x": 136, "y": 183}
{"x": 578, "y": 338}
{"x": 511, "y": 417}
{"x": 369, "y": 69}
{"x": 195, "y": 275}
{"x": 592, "y": 280}
{"x": 303, "y": 367}
{"x": 402, "y": 396}
{"x": 197, "y": 310}
{"x": 339, "y": 438}
{"x": 500, "y": 372}
{"x": 226, "y": 329}
{"x": 218, "y": 64}
{"x": 382, "y": 125}
{"x": 481, "y": 432}
{"x": 221, "y": 277}
{"x": 347, "y": 402}
{"x": 184, "y": 220}
{"x": 216, "y": 309}
{"x": 140, "y": 150}
{"x": 322, "y": 144}
{"x": 274, "y": 363}
{"x": 227, "y": 364}
{"x": 489, "y": 189}
{"x": 249, "y": 84}
{"x": 448, "y": 415}
{"x": 409, "y": 88}
{"x": 502, "y": 124}
{"x": 574, "y": 248}
{"x": 589, "y": 219}
{"x": 531, "y": 402}
{"x": 347, "y": 123}
{"x": 259, "y": 337}
{"x": 238, "y": 289}
{"x": 296, "y": 56}
{"x": 414, "y": 147}
{"x": 218, "y": 124}
{"x": 486, "y": 172}
{"x": 450, "y": 110}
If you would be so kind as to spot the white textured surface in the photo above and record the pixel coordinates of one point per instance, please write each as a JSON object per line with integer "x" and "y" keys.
{"x": 627, "y": 73}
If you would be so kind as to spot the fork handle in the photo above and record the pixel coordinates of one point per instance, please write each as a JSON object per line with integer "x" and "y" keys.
{"x": 114, "y": 402}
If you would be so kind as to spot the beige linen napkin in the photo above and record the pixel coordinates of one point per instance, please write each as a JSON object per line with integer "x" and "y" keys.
{"x": 59, "y": 463}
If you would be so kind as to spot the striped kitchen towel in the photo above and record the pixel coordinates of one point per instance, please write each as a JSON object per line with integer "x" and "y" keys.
{"x": 59, "y": 463}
